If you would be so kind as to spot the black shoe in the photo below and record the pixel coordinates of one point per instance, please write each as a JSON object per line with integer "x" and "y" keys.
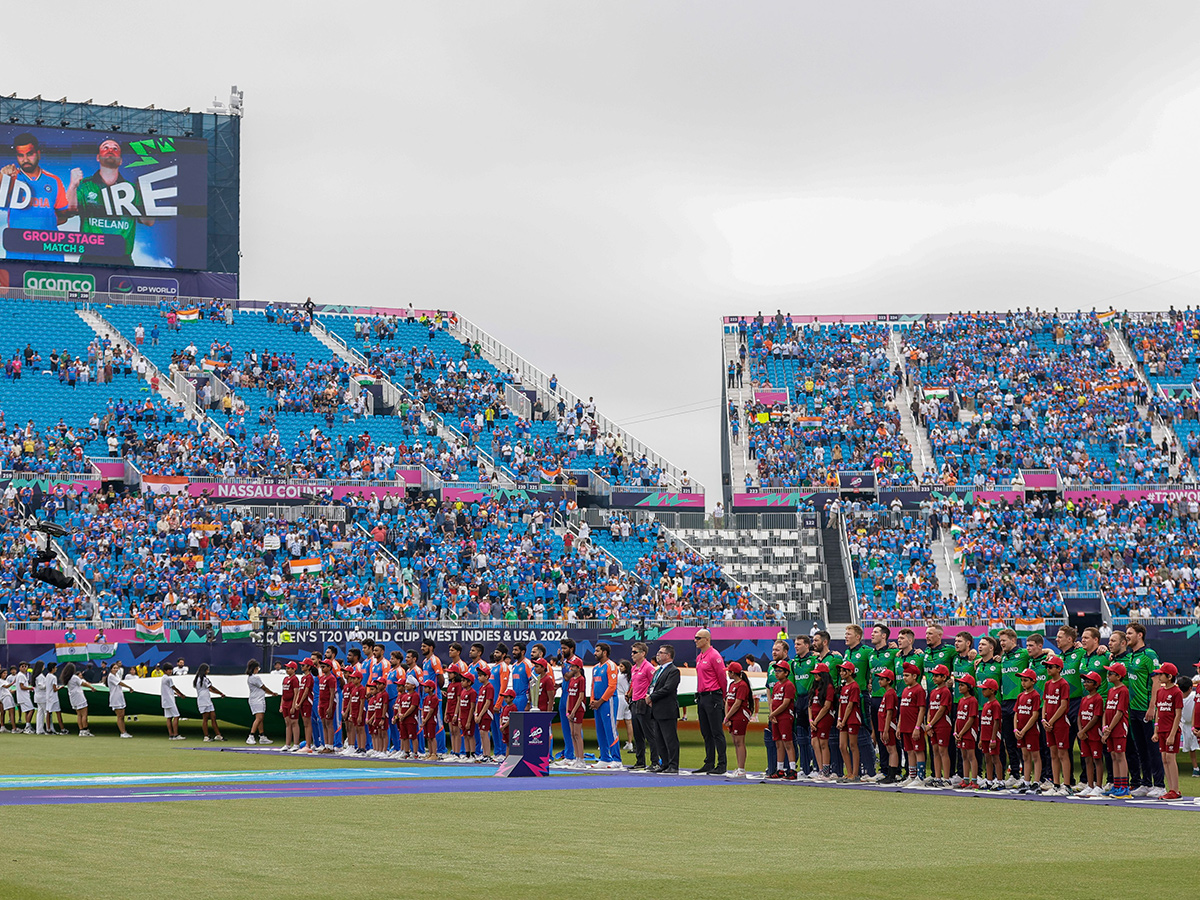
{"x": 704, "y": 770}
{"x": 719, "y": 770}
{"x": 655, "y": 769}
{"x": 671, "y": 771}
{"x": 637, "y": 767}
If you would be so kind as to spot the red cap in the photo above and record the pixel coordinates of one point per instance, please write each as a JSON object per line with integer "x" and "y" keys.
{"x": 353, "y": 673}
{"x": 968, "y": 679}
{"x": 989, "y": 684}
{"x": 542, "y": 662}
{"x": 734, "y": 668}
{"x": 483, "y": 670}
{"x": 508, "y": 692}
{"x": 821, "y": 667}
{"x": 849, "y": 666}
{"x": 290, "y": 665}
{"x": 887, "y": 675}
{"x": 1093, "y": 676}
{"x": 1030, "y": 674}
{"x": 429, "y": 685}
{"x": 575, "y": 661}
{"x": 939, "y": 669}
{"x": 1117, "y": 669}
{"x": 1166, "y": 669}
{"x": 912, "y": 669}
{"x": 784, "y": 664}
{"x": 1054, "y": 661}
{"x": 467, "y": 677}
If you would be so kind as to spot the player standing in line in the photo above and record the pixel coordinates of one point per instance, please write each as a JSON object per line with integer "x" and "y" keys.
{"x": 938, "y": 728}
{"x": 780, "y": 717}
{"x": 429, "y": 723}
{"x": 566, "y": 650}
{"x": 327, "y": 705}
{"x": 75, "y": 686}
{"x": 576, "y": 694}
{"x": 431, "y": 670}
{"x": 990, "y": 719}
{"x": 170, "y": 709}
{"x": 604, "y": 708}
{"x": 501, "y": 676}
{"x": 849, "y": 721}
{"x": 1091, "y": 741}
{"x": 1168, "y": 724}
{"x": 521, "y": 674}
{"x": 912, "y": 717}
{"x": 304, "y": 700}
{"x": 481, "y": 713}
{"x": 1026, "y": 711}
{"x": 1116, "y": 730}
{"x": 1056, "y": 702}
{"x": 889, "y": 704}
{"x": 287, "y": 709}
{"x": 258, "y": 702}
{"x": 739, "y": 700}
{"x": 204, "y": 702}
{"x": 820, "y": 712}
{"x": 966, "y": 730}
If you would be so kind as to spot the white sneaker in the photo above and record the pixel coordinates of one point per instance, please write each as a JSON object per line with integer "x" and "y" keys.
{"x": 250, "y": 740}
{"x": 1063, "y": 791}
{"x": 956, "y": 781}
{"x": 628, "y": 746}
{"x": 1097, "y": 791}
{"x": 1157, "y": 792}
{"x": 1143, "y": 791}
{"x": 126, "y": 735}
{"x": 263, "y": 739}
{"x": 1011, "y": 782}
{"x": 207, "y": 739}
{"x": 907, "y": 782}
{"x": 219, "y": 737}
{"x": 28, "y": 730}
{"x": 736, "y": 773}
{"x": 1046, "y": 786}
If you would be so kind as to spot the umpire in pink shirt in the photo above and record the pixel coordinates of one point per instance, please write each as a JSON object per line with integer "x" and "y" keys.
{"x": 710, "y": 700}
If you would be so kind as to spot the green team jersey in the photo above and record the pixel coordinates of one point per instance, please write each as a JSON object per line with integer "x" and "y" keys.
{"x": 95, "y": 218}
{"x": 802, "y": 673}
{"x": 985, "y": 669}
{"x": 914, "y": 656}
{"x": 861, "y": 657}
{"x": 1038, "y": 664}
{"x": 1073, "y": 670}
{"x": 881, "y": 660}
{"x": 833, "y": 659}
{"x": 1095, "y": 662}
{"x": 1139, "y": 664}
{"x": 941, "y": 655}
{"x": 962, "y": 665}
{"x": 1012, "y": 664}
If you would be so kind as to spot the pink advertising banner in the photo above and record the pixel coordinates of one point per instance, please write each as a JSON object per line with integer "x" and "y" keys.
{"x": 770, "y": 398}
{"x": 1039, "y": 479}
{"x": 289, "y": 490}
{"x": 994, "y": 496}
{"x": 110, "y": 469}
{"x": 1185, "y": 492}
{"x": 59, "y": 636}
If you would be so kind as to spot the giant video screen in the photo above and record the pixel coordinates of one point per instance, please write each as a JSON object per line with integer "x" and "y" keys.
{"x": 103, "y": 198}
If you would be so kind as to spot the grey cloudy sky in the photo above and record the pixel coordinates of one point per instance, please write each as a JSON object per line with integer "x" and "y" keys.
{"x": 597, "y": 183}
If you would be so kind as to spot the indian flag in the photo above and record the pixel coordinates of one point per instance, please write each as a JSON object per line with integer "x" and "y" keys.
{"x": 808, "y": 421}
{"x": 71, "y": 652}
{"x": 101, "y": 651}
{"x": 214, "y": 365}
{"x": 365, "y": 378}
{"x": 1105, "y": 317}
{"x": 300, "y": 566}
{"x": 548, "y": 475}
{"x": 189, "y": 315}
{"x": 149, "y": 631}
{"x": 936, "y": 393}
{"x": 236, "y": 629}
{"x": 353, "y": 602}
{"x": 1025, "y": 627}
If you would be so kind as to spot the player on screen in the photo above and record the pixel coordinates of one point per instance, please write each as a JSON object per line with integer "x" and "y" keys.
{"x": 108, "y": 203}
{"x": 49, "y": 204}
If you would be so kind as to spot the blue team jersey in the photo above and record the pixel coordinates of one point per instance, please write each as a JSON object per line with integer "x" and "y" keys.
{"x": 48, "y": 195}
{"x": 519, "y": 677}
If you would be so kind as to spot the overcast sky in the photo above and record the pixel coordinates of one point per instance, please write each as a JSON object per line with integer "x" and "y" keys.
{"x": 596, "y": 184}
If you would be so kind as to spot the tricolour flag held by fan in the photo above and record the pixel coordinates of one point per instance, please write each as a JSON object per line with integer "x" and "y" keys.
{"x": 214, "y": 365}
{"x": 189, "y": 315}
{"x": 808, "y": 421}
{"x": 936, "y": 393}
{"x": 548, "y": 475}
{"x": 365, "y": 378}
{"x": 1025, "y": 627}
{"x": 301, "y": 566}
{"x": 354, "y": 602}
{"x": 149, "y": 631}
{"x": 236, "y": 629}
{"x": 165, "y": 484}
{"x": 77, "y": 652}
{"x": 1105, "y": 317}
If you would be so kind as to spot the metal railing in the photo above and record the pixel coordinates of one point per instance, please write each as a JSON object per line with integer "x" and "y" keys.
{"x": 518, "y": 402}
{"x": 848, "y": 570}
{"x": 295, "y": 513}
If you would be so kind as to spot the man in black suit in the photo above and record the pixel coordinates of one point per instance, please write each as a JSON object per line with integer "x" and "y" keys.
{"x": 663, "y": 700}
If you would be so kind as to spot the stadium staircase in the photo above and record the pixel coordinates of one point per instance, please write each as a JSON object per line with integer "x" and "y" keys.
{"x": 917, "y": 437}
{"x": 740, "y": 462}
{"x": 842, "y": 604}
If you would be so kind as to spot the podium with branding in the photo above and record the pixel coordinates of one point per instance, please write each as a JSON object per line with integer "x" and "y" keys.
{"x": 528, "y": 746}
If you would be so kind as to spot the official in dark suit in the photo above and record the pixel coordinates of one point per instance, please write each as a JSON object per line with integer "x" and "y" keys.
{"x": 663, "y": 700}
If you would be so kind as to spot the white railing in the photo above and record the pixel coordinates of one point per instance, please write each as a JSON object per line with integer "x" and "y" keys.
{"x": 518, "y": 402}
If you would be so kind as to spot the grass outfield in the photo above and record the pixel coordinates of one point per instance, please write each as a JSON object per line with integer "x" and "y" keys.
{"x": 685, "y": 842}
